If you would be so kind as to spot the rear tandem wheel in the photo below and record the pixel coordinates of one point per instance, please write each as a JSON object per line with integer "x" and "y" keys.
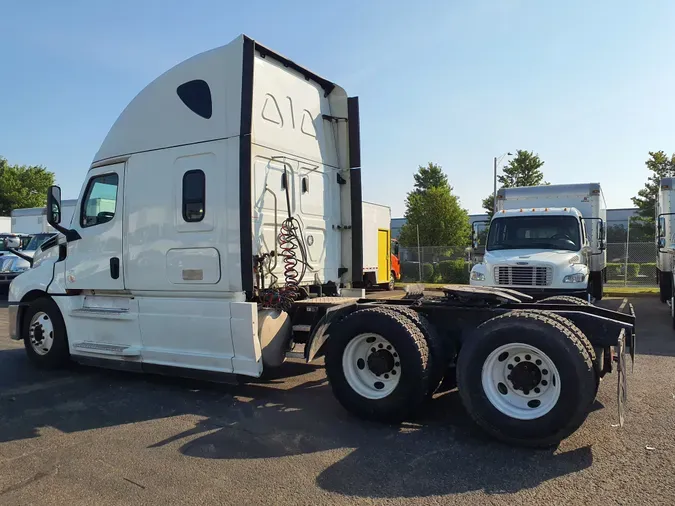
{"x": 378, "y": 364}
{"x": 526, "y": 378}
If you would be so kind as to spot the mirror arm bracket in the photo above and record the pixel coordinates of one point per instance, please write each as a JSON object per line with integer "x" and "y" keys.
{"x": 71, "y": 235}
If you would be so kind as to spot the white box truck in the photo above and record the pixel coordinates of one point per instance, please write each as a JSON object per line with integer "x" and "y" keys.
{"x": 378, "y": 264}
{"x": 547, "y": 241}
{"x": 236, "y": 235}
{"x": 33, "y": 220}
{"x": 5, "y": 224}
{"x": 665, "y": 240}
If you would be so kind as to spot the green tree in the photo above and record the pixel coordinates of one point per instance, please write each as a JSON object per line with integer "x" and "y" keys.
{"x": 431, "y": 176}
{"x": 23, "y": 186}
{"x": 660, "y": 165}
{"x": 523, "y": 170}
{"x": 433, "y": 208}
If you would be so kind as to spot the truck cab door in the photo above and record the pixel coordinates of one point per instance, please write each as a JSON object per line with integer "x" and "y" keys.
{"x": 94, "y": 262}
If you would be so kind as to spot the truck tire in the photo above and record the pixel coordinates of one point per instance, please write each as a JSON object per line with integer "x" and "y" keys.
{"x": 665, "y": 286}
{"x": 566, "y": 299}
{"x": 534, "y": 347}
{"x": 390, "y": 285}
{"x": 596, "y": 286}
{"x": 378, "y": 365}
{"x": 44, "y": 334}
{"x": 582, "y": 339}
{"x": 438, "y": 356}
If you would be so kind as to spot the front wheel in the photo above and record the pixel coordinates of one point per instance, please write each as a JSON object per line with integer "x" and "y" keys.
{"x": 44, "y": 334}
{"x": 378, "y": 365}
{"x": 526, "y": 379}
{"x": 665, "y": 285}
{"x": 597, "y": 287}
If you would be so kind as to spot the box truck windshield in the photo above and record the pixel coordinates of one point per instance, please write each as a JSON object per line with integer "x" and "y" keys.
{"x": 535, "y": 232}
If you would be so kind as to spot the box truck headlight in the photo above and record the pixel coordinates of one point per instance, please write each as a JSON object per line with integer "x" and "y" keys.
{"x": 477, "y": 276}
{"x": 578, "y": 277}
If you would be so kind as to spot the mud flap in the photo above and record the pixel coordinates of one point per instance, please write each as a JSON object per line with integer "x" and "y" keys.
{"x": 621, "y": 386}
{"x": 632, "y": 340}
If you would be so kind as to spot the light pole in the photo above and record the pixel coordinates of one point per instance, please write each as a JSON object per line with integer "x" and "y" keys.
{"x": 494, "y": 192}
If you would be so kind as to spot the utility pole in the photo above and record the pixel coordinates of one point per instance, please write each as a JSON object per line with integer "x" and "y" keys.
{"x": 419, "y": 254}
{"x": 494, "y": 177}
{"x": 625, "y": 268}
{"x": 494, "y": 191}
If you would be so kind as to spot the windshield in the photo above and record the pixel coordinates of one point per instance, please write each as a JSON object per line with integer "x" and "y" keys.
{"x": 37, "y": 240}
{"x": 3, "y": 242}
{"x": 534, "y": 232}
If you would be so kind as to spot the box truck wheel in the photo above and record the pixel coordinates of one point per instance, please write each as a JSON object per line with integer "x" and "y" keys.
{"x": 44, "y": 334}
{"x": 665, "y": 285}
{"x": 526, "y": 379}
{"x": 392, "y": 282}
{"x": 377, "y": 363}
{"x": 596, "y": 286}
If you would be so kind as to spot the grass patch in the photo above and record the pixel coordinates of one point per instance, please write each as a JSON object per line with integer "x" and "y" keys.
{"x": 632, "y": 290}
{"x": 610, "y": 288}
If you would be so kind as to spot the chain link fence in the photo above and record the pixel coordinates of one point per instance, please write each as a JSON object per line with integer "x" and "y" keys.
{"x": 435, "y": 264}
{"x": 631, "y": 264}
{"x": 628, "y": 264}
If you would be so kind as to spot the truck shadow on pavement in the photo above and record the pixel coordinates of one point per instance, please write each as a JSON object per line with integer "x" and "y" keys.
{"x": 293, "y": 415}
{"x": 442, "y": 452}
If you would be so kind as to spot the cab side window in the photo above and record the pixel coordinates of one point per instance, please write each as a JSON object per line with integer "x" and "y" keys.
{"x": 194, "y": 195}
{"x": 100, "y": 200}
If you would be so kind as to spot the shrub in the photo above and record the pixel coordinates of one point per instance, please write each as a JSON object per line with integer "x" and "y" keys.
{"x": 648, "y": 269}
{"x": 614, "y": 270}
{"x": 633, "y": 270}
{"x": 453, "y": 271}
{"x": 410, "y": 271}
{"x": 428, "y": 273}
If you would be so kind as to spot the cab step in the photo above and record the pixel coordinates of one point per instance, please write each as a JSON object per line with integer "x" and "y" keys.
{"x": 117, "y": 350}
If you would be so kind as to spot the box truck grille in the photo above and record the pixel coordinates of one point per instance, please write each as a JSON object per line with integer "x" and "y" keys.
{"x": 524, "y": 276}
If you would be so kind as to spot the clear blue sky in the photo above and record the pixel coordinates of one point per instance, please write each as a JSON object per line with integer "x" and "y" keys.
{"x": 589, "y": 85}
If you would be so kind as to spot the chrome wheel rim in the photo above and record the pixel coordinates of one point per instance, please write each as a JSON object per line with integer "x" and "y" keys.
{"x": 371, "y": 366}
{"x": 41, "y": 333}
{"x": 521, "y": 381}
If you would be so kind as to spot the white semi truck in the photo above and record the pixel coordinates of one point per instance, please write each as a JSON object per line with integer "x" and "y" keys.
{"x": 665, "y": 241}
{"x": 236, "y": 235}
{"x": 546, "y": 241}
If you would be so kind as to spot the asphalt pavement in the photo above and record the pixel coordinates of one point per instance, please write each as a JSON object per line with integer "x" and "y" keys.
{"x": 88, "y": 436}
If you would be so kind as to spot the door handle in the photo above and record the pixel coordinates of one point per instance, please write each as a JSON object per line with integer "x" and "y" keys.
{"x": 114, "y": 267}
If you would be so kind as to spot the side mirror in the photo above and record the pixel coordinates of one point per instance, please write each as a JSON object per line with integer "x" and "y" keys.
{"x": 12, "y": 242}
{"x": 54, "y": 206}
{"x": 662, "y": 242}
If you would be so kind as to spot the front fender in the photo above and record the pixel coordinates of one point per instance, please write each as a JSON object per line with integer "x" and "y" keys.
{"x": 36, "y": 279}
